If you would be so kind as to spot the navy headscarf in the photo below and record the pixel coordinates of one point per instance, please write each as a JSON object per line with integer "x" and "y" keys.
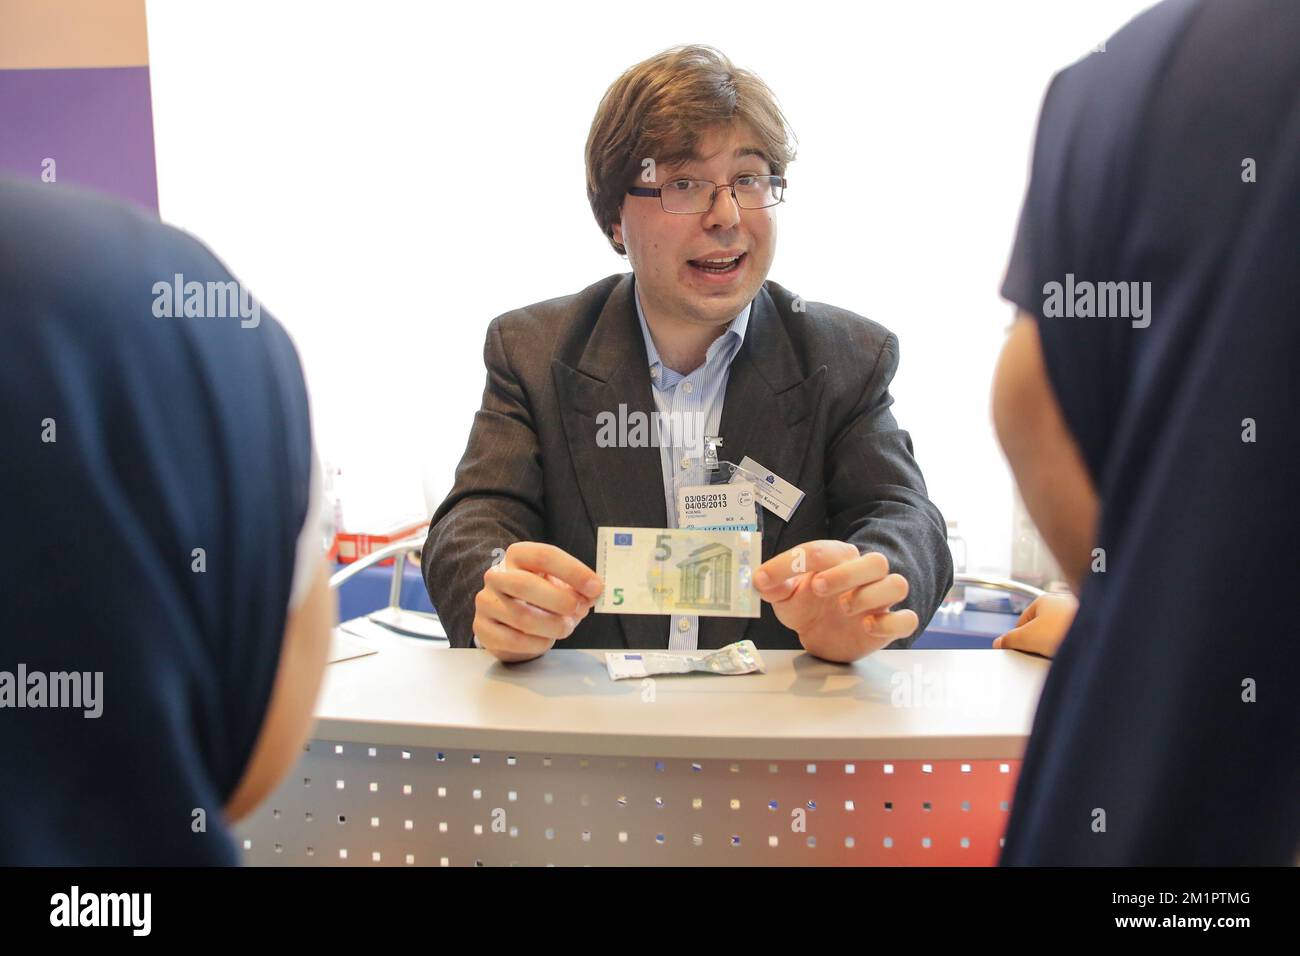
{"x": 168, "y": 435}
{"x": 1168, "y": 731}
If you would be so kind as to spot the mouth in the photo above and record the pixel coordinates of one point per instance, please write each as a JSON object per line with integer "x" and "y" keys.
{"x": 718, "y": 268}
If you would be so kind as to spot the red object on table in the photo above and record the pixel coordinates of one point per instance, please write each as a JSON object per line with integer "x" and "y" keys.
{"x": 351, "y": 546}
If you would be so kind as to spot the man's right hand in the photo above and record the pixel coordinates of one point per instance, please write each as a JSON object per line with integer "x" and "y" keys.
{"x": 533, "y": 598}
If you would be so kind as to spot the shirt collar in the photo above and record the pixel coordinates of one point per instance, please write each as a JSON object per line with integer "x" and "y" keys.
{"x": 735, "y": 333}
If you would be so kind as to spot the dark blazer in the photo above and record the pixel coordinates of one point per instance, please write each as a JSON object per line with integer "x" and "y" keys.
{"x": 807, "y": 397}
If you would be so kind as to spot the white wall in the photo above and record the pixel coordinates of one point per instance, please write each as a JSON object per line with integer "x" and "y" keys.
{"x": 354, "y": 164}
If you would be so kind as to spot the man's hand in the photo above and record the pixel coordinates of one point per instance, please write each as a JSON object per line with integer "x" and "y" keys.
{"x": 1041, "y": 626}
{"x": 533, "y": 598}
{"x": 835, "y": 599}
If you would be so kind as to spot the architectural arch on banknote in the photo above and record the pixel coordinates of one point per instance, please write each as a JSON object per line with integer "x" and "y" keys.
{"x": 706, "y": 578}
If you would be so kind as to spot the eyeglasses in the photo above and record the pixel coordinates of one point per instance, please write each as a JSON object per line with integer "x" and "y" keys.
{"x": 685, "y": 197}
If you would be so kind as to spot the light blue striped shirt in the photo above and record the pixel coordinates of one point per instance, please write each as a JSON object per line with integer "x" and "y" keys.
{"x": 689, "y": 401}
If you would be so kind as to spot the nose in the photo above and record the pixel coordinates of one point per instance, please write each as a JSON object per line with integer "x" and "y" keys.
{"x": 724, "y": 212}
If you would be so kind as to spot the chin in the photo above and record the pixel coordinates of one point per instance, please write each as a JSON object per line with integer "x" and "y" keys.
{"x": 717, "y": 313}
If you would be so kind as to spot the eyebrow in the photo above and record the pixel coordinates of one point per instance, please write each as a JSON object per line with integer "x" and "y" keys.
{"x": 740, "y": 153}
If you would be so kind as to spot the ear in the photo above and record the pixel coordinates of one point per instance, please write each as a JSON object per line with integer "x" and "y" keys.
{"x": 618, "y": 233}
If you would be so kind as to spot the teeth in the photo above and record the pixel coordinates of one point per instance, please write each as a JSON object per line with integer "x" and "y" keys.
{"x": 722, "y": 261}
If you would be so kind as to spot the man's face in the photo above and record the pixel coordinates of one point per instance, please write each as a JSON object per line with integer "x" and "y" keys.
{"x": 660, "y": 245}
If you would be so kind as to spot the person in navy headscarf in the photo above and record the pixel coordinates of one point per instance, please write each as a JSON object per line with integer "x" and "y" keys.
{"x": 166, "y": 613}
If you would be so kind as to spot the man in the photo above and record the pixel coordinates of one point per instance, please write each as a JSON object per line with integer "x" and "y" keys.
{"x": 685, "y": 167}
{"x": 1155, "y": 444}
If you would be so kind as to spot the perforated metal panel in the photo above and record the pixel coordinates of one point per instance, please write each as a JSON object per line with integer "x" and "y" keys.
{"x": 355, "y": 804}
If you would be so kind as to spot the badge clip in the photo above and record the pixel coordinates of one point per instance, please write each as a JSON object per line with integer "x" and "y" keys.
{"x": 711, "y": 443}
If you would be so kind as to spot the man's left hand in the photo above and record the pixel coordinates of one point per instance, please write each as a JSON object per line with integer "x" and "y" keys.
{"x": 836, "y": 600}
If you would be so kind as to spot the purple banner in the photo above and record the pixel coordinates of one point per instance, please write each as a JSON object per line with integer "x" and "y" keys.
{"x": 96, "y": 124}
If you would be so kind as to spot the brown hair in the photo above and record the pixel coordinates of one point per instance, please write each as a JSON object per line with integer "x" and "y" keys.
{"x": 661, "y": 108}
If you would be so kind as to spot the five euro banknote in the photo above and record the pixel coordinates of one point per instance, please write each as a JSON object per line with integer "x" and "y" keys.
{"x": 678, "y": 571}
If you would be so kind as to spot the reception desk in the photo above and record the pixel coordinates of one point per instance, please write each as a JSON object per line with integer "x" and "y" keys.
{"x": 423, "y": 756}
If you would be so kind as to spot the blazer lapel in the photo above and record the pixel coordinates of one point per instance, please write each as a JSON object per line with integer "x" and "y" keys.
{"x": 767, "y": 415}
{"x": 620, "y": 485}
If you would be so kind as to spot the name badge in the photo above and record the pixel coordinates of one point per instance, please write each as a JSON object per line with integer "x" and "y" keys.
{"x": 774, "y": 493}
{"x": 724, "y": 507}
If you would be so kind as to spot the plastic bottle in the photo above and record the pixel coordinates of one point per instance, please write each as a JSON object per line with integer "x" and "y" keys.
{"x": 955, "y": 600}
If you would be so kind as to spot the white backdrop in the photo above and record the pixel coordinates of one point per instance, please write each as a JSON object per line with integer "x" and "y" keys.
{"x": 388, "y": 177}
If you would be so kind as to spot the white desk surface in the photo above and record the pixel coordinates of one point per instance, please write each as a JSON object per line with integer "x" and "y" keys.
{"x": 909, "y": 704}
